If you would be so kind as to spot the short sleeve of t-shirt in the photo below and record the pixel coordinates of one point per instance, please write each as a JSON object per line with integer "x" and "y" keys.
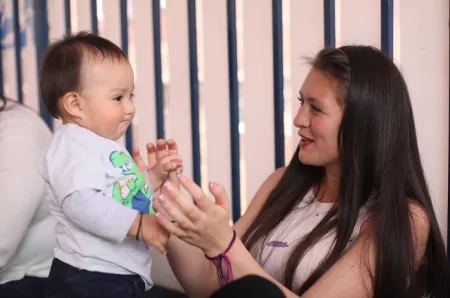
{"x": 73, "y": 162}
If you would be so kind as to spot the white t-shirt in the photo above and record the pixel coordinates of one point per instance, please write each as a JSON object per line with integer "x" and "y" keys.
{"x": 26, "y": 225}
{"x": 96, "y": 191}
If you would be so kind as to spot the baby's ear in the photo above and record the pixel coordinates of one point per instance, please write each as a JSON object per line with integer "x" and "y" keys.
{"x": 71, "y": 104}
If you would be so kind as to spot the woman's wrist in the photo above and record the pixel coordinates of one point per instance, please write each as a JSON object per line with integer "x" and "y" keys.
{"x": 223, "y": 263}
{"x": 222, "y": 245}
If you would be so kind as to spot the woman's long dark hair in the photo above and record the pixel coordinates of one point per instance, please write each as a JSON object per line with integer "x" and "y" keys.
{"x": 380, "y": 163}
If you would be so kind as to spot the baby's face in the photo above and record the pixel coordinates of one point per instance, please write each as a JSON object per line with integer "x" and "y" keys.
{"x": 106, "y": 97}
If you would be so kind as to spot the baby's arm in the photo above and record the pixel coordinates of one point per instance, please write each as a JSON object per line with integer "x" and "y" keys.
{"x": 98, "y": 214}
{"x": 105, "y": 218}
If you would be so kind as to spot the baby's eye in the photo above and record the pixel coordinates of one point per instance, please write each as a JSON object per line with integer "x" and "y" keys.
{"x": 315, "y": 108}
{"x": 118, "y": 98}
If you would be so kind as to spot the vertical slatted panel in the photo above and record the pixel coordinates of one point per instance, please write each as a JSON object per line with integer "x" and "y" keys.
{"x": 387, "y": 26}
{"x": 215, "y": 92}
{"x": 81, "y": 15}
{"x": 194, "y": 90}
{"x": 448, "y": 174}
{"x": 310, "y": 27}
{"x": 329, "y": 12}
{"x": 57, "y": 26}
{"x": 234, "y": 110}
{"x": 41, "y": 38}
{"x": 8, "y": 51}
{"x": 179, "y": 101}
{"x": 145, "y": 119}
{"x": 278, "y": 78}
{"x": 1, "y": 53}
{"x": 110, "y": 27}
{"x": 94, "y": 19}
{"x": 18, "y": 36}
{"x": 178, "y": 120}
{"x": 257, "y": 93}
{"x": 67, "y": 16}
{"x": 30, "y": 80}
{"x": 360, "y": 22}
{"x": 124, "y": 45}
{"x": 159, "y": 87}
{"x": 425, "y": 64}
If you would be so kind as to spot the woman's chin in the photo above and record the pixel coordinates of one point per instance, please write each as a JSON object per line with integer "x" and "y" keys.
{"x": 306, "y": 159}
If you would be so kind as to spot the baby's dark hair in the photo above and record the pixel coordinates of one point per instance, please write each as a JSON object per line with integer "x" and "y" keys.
{"x": 63, "y": 61}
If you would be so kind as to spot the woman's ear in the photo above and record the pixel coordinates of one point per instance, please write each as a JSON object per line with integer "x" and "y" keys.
{"x": 70, "y": 103}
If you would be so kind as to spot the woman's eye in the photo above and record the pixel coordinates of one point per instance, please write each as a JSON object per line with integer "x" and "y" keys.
{"x": 300, "y": 100}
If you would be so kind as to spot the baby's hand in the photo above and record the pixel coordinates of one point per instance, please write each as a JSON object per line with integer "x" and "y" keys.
{"x": 154, "y": 234}
{"x": 159, "y": 173}
{"x": 163, "y": 154}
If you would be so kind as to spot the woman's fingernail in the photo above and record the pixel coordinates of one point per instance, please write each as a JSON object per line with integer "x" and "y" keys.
{"x": 162, "y": 198}
{"x": 167, "y": 185}
{"x": 212, "y": 184}
{"x": 181, "y": 176}
{"x": 157, "y": 214}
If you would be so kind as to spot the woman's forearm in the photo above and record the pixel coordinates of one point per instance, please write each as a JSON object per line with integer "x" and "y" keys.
{"x": 243, "y": 263}
{"x": 196, "y": 274}
{"x": 190, "y": 267}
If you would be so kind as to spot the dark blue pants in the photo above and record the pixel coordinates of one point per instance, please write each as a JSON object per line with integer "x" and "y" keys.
{"x": 66, "y": 281}
{"x": 27, "y": 287}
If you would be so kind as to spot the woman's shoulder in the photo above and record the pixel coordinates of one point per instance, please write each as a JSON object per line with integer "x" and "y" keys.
{"x": 258, "y": 200}
{"x": 273, "y": 179}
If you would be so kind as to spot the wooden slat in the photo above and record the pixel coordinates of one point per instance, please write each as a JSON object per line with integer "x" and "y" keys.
{"x": 30, "y": 71}
{"x": 8, "y": 52}
{"x": 424, "y": 59}
{"x": 358, "y": 22}
{"x": 109, "y": 27}
{"x": 56, "y": 24}
{"x": 141, "y": 47}
{"x": 215, "y": 92}
{"x": 178, "y": 120}
{"x": 306, "y": 39}
{"x": 81, "y": 15}
{"x": 257, "y": 93}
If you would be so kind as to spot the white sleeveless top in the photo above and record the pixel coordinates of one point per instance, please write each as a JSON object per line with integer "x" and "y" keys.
{"x": 286, "y": 235}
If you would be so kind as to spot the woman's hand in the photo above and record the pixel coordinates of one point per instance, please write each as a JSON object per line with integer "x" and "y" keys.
{"x": 201, "y": 223}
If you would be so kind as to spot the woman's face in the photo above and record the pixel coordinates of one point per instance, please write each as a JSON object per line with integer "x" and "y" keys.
{"x": 318, "y": 120}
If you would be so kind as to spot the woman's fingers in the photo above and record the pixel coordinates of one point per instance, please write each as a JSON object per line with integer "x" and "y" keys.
{"x": 176, "y": 213}
{"x": 200, "y": 199}
{"x": 170, "y": 226}
{"x": 220, "y": 195}
{"x": 187, "y": 207}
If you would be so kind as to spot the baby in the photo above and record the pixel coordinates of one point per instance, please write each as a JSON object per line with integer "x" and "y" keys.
{"x": 101, "y": 200}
